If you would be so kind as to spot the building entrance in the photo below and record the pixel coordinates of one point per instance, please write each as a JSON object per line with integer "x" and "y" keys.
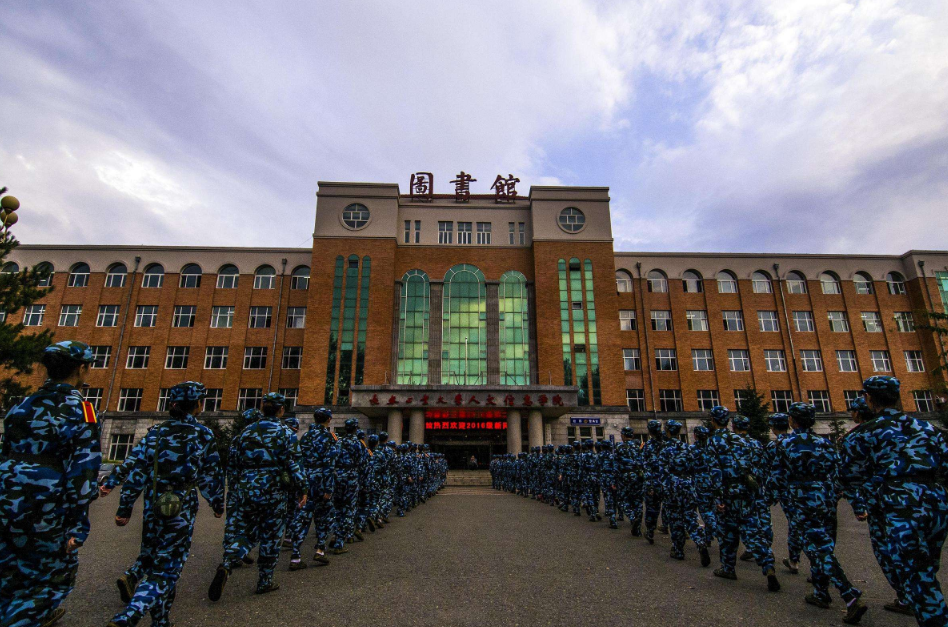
{"x": 459, "y": 448}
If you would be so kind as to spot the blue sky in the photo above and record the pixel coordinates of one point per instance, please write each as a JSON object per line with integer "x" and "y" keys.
{"x": 803, "y": 126}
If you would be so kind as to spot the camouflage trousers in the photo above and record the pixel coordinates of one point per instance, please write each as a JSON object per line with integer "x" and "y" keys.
{"x": 739, "y": 522}
{"x": 682, "y": 506}
{"x": 609, "y": 501}
{"x": 33, "y": 583}
{"x": 794, "y": 532}
{"x": 653, "y": 505}
{"x": 346, "y": 500}
{"x": 258, "y": 517}
{"x": 317, "y": 513}
{"x": 631, "y": 494}
{"x": 591, "y": 496}
{"x": 707, "y": 508}
{"x": 169, "y": 543}
{"x": 877, "y": 538}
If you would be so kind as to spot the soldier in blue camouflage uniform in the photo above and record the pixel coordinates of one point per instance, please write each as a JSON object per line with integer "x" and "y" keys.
{"x": 630, "y": 472}
{"x": 176, "y": 459}
{"x": 707, "y": 479}
{"x": 608, "y": 481}
{"x": 293, "y": 424}
{"x": 780, "y": 425}
{"x": 318, "y": 452}
{"x": 365, "y": 479}
{"x": 267, "y": 472}
{"x": 741, "y": 426}
{"x": 678, "y": 468}
{"x": 386, "y": 467}
{"x": 404, "y": 479}
{"x": 346, "y": 497}
{"x": 576, "y": 478}
{"x": 375, "y": 468}
{"x": 651, "y": 457}
{"x": 231, "y": 473}
{"x": 737, "y": 508}
{"x": 806, "y": 469}
{"x": 562, "y": 485}
{"x": 48, "y": 470}
{"x": 589, "y": 471}
{"x": 901, "y": 462}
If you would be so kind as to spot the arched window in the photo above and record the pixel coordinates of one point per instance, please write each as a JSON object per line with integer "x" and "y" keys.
{"x": 464, "y": 317}
{"x": 863, "y": 283}
{"x": 154, "y": 276}
{"x": 657, "y": 281}
{"x": 623, "y": 281}
{"x": 190, "y": 276}
{"x": 829, "y": 282}
{"x": 10, "y": 267}
{"x": 413, "y": 317}
{"x": 45, "y": 266}
{"x": 78, "y": 275}
{"x": 796, "y": 283}
{"x": 760, "y": 282}
{"x": 514, "y": 329}
{"x": 299, "y": 280}
{"x": 727, "y": 282}
{"x": 265, "y": 278}
{"x": 115, "y": 275}
{"x": 227, "y": 277}
{"x": 896, "y": 283}
{"x": 691, "y": 282}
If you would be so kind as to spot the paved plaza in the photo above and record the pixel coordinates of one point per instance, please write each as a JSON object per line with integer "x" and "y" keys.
{"x": 474, "y": 556}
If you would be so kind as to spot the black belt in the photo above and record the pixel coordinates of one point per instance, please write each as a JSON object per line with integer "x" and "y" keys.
{"x": 45, "y": 459}
{"x": 808, "y": 479}
{"x": 924, "y": 477}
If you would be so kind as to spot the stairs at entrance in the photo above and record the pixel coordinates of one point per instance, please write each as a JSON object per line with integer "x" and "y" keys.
{"x": 468, "y": 477}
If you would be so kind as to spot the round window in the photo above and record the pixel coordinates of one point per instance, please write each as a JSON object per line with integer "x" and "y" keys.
{"x": 572, "y": 220}
{"x": 355, "y": 216}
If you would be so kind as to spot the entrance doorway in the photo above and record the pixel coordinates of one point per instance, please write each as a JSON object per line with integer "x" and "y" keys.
{"x": 458, "y": 448}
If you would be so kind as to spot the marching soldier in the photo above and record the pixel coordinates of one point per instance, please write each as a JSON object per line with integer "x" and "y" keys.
{"x": 629, "y": 477}
{"x": 346, "y": 497}
{"x": 651, "y": 455}
{"x": 678, "y": 468}
{"x": 318, "y": 452}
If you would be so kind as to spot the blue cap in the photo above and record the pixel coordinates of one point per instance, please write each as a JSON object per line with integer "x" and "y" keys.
{"x": 627, "y": 431}
{"x": 673, "y": 427}
{"x": 720, "y": 415}
{"x": 352, "y": 424}
{"x": 860, "y": 405}
{"x": 701, "y": 432}
{"x": 779, "y": 420}
{"x": 882, "y": 383}
{"x": 292, "y": 422}
{"x": 274, "y": 397}
{"x": 73, "y": 349}
{"x": 802, "y": 410}
{"x": 187, "y": 391}
{"x": 654, "y": 427}
{"x": 252, "y": 414}
{"x": 373, "y": 439}
{"x": 322, "y": 414}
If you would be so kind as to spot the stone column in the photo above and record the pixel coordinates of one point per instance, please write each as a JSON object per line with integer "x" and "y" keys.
{"x": 535, "y": 428}
{"x": 416, "y": 426}
{"x": 514, "y": 437}
{"x": 395, "y": 425}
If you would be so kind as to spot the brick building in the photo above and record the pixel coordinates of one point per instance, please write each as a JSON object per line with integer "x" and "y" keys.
{"x": 483, "y": 327}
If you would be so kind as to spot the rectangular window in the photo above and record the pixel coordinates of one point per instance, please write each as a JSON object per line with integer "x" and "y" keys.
{"x": 483, "y": 233}
{"x": 733, "y": 320}
{"x": 177, "y": 357}
{"x": 33, "y": 315}
{"x": 108, "y": 316}
{"x": 264, "y": 280}
{"x": 697, "y": 320}
{"x": 183, "y": 316}
{"x": 146, "y": 315}
{"x": 120, "y": 445}
{"x": 669, "y": 400}
{"x": 635, "y": 399}
{"x": 821, "y": 400}
{"x": 153, "y": 279}
{"x": 292, "y": 395}
{"x": 661, "y": 321}
{"x": 292, "y": 357}
{"x": 94, "y": 396}
{"x": 518, "y": 233}
{"x": 69, "y": 315}
{"x": 913, "y": 361}
{"x": 464, "y": 232}
{"x": 260, "y": 317}
{"x": 213, "y": 399}
{"x": 255, "y": 357}
{"x": 812, "y": 360}
{"x": 115, "y": 279}
{"x": 227, "y": 281}
{"x": 702, "y": 360}
{"x": 871, "y": 321}
{"x": 3, "y": 318}
{"x": 666, "y": 359}
{"x": 445, "y": 232}
{"x": 803, "y": 321}
{"x": 904, "y": 322}
{"x": 631, "y": 360}
{"x": 708, "y": 399}
{"x": 222, "y": 317}
{"x": 847, "y": 361}
{"x": 78, "y": 279}
{"x": 739, "y": 360}
{"x": 102, "y": 355}
{"x": 781, "y": 400}
{"x": 850, "y": 396}
{"x": 838, "y": 321}
{"x": 627, "y": 320}
{"x": 417, "y": 231}
{"x": 249, "y": 397}
{"x": 215, "y": 357}
{"x": 163, "y": 394}
{"x": 923, "y": 401}
{"x": 522, "y": 230}
{"x": 408, "y": 231}
{"x": 130, "y": 399}
{"x": 767, "y": 321}
{"x": 796, "y": 286}
{"x": 776, "y": 360}
{"x": 137, "y": 357}
{"x": 740, "y": 396}
{"x": 296, "y": 317}
{"x": 727, "y": 284}
{"x": 880, "y": 361}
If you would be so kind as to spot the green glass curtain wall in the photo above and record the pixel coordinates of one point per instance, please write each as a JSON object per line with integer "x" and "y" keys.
{"x": 564, "y": 325}
{"x": 334, "y": 331}
{"x": 514, "y": 315}
{"x": 413, "y": 317}
{"x": 464, "y": 320}
{"x": 593, "y": 346}
{"x": 363, "y": 318}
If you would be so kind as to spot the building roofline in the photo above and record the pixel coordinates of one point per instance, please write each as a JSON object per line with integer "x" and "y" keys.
{"x": 247, "y": 249}
{"x": 773, "y": 255}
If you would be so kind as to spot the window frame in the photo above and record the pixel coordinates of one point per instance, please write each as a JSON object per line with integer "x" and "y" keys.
{"x": 811, "y": 360}
{"x": 847, "y": 360}
{"x": 181, "y": 315}
{"x": 702, "y": 357}
{"x": 700, "y": 315}
{"x": 880, "y": 356}
{"x": 631, "y": 357}
{"x": 222, "y": 312}
{"x": 738, "y": 319}
{"x": 775, "y": 357}
{"x": 666, "y": 356}
{"x": 219, "y": 355}
{"x": 73, "y": 315}
{"x": 146, "y": 313}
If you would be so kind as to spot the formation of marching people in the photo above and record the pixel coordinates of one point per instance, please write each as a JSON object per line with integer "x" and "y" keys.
{"x": 891, "y": 467}
{"x": 277, "y": 487}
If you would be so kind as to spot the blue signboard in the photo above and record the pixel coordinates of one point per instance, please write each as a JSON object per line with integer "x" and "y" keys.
{"x": 585, "y": 421}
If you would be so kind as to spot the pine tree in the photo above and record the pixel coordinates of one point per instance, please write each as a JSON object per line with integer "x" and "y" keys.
{"x": 225, "y": 434}
{"x": 19, "y": 351}
{"x": 756, "y": 408}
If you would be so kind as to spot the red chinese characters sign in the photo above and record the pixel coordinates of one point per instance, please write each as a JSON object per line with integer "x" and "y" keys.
{"x": 465, "y": 425}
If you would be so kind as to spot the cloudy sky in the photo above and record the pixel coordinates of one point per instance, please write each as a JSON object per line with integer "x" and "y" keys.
{"x": 720, "y": 125}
